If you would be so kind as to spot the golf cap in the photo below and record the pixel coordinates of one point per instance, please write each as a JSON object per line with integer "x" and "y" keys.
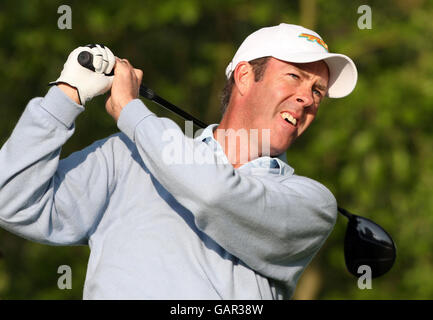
{"x": 293, "y": 43}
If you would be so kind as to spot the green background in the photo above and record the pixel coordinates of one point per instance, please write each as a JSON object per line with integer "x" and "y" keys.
{"x": 372, "y": 149}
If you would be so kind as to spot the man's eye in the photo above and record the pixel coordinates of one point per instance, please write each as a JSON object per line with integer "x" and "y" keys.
{"x": 317, "y": 93}
{"x": 294, "y": 76}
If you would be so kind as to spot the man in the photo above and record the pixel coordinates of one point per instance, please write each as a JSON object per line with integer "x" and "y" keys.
{"x": 223, "y": 228}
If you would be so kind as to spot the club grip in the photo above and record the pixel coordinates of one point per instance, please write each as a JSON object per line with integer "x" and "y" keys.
{"x": 85, "y": 58}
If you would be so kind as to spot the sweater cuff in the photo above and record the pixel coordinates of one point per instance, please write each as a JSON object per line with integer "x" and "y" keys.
{"x": 131, "y": 115}
{"x": 61, "y": 107}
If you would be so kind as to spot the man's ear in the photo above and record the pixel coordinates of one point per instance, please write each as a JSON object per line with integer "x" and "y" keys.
{"x": 243, "y": 76}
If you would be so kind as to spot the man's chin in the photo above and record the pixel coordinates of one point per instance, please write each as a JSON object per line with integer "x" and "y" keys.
{"x": 276, "y": 151}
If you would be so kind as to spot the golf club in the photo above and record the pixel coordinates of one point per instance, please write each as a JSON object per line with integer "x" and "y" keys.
{"x": 365, "y": 244}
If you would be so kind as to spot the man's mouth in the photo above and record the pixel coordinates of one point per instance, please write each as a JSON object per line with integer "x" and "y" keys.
{"x": 289, "y": 118}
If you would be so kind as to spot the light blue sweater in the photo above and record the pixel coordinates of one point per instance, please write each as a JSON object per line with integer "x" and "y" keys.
{"x": 158, "y": 229}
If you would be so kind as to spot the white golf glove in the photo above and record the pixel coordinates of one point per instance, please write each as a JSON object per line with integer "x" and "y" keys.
{"x": 93, "y": 79}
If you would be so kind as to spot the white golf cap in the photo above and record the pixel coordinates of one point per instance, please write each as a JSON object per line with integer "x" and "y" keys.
{"x": 293, "y": 43}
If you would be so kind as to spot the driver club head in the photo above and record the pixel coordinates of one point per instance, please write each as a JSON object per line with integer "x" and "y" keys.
{"x": 367, "y": 243}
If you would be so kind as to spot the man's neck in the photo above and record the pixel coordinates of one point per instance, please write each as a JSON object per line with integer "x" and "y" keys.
{"x": 240, "y": 144}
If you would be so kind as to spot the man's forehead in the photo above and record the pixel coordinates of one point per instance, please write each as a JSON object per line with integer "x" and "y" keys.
{"x": 317, "y": 68}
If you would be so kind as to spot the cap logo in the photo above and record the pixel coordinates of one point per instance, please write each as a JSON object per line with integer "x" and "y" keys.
{"x": 312, "y": 38}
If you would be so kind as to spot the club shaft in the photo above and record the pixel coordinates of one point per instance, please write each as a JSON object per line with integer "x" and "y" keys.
{"x": 344, "y": 212}
{"x": 150, "y": 94}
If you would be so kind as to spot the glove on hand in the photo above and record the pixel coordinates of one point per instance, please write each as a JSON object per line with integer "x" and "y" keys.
{"x": 89, "y": 83}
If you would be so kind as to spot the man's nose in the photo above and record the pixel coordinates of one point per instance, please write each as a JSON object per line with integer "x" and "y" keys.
{"x": 304, "y": 97}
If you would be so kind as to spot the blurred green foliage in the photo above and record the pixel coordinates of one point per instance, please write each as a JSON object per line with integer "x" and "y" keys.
{"x": 372, "y": 149}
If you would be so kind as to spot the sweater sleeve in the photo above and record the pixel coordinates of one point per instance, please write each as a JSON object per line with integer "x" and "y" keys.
{"x": 45, "y": 199}
{"x": 268, "y": 223}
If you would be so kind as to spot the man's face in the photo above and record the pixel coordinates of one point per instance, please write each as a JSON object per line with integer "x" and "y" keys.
{"x": 287, "y": 90}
